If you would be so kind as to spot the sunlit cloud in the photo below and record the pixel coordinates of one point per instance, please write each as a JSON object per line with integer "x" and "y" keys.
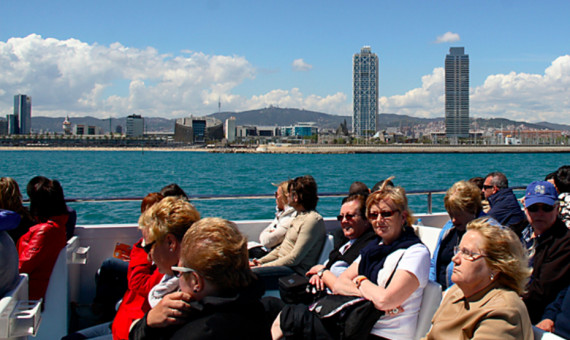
{"x": 447, "y": 37}
{"x": 301, "y": 66}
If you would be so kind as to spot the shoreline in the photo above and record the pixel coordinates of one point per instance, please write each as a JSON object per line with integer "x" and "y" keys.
{"x": 326, "y": 149}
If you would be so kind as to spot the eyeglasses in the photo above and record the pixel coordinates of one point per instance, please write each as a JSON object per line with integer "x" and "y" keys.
{"x": 485, "y": 187}
{"x": 347, "y": 216}
{"x": 148, "y": 247}
{"x": 385, "y": 214}
{"x": 467, "y": 254}
{"x": 178, "y": 271}
{"x": 545, "y": 207}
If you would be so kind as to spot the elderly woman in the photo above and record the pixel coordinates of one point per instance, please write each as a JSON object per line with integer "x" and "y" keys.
{"x": 463, "y": 204}
{"x": 490, "y": 273}
{"x": 391, "y": 273}
{"x": 163, "y": 226}
{"x": 219, "y": 297}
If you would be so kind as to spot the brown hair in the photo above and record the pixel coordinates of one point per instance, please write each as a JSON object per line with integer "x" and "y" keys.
{"x": 172, "y": 215}
{"x": 216, "y": 249}
{"x": 11, "y": 197}
{"x": 503, "y": 252}
{"x": 149, "y": 200}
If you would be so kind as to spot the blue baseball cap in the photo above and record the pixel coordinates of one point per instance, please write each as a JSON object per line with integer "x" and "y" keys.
{"x": 540, "y": 192}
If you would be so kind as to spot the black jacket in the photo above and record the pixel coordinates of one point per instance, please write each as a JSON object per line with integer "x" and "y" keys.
{"x": 354, "y": 251}
{"x": 551, "y": 269}
{"x": 238, "y": 317}
{"x": 505, "y": 208}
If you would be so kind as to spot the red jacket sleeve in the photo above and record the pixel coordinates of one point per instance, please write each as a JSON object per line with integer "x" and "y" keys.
{"x": 140, "y": 270}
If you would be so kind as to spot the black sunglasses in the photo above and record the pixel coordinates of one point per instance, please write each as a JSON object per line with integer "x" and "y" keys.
{"x": 487, "y": 186}
{"x": 347, "y": 216}
{"x": 384, "y": 214}
{"x": 544, "y": 207}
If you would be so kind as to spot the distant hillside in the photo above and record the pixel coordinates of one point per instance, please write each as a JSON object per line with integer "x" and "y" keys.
{"x": 274, "y": 116}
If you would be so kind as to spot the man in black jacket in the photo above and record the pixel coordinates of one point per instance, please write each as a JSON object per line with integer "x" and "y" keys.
{"x": 549, "y": 239}
{"x": 504, "y": 205}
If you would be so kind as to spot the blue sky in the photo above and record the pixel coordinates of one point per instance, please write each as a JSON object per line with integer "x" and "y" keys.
{"x": 176, "y": 58}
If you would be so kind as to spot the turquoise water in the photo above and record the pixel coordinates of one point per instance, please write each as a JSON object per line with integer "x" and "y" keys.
{"x": 136, "y": 173}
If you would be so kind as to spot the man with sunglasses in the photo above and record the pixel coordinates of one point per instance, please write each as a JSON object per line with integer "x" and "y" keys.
{"x": 549, "y": 239}
{"x": 504, "y": 205}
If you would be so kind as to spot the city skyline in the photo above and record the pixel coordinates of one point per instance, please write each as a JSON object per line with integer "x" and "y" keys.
{"x": 81, "y": 59}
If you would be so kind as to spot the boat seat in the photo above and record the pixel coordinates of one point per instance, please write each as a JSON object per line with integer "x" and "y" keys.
{"x": 18, "y": 316}
{"x": 431, "y": 299}
{"x": 428, "y": 235}
{"x": 55, "y": 316}
{"x": 539, "y": 334}
{"x": 327, "y": 248}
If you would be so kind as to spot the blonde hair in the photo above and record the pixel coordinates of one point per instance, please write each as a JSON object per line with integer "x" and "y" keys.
{"x": 504, "y": 253}
{"x": 171, "y": 215}
{"x": 217, "y": 250}
{"x": 463, "y": 196}
{"x": 396, "y": 194}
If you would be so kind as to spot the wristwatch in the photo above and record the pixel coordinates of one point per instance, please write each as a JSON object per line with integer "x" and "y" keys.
{"x": 321, "y": 272}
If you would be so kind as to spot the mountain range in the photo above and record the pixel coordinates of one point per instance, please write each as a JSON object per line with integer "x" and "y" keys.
{"x": 274, "y": 116}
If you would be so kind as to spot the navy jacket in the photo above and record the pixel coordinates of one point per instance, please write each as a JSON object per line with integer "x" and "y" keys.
{"x": 505, "y": 208}
{"x": 559, "y": 312}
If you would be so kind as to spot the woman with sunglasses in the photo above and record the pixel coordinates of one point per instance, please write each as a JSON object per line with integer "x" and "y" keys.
{"x": 391, "y": 272}
{"x": 219, "y": 295}
{"x": 491, "y": 272}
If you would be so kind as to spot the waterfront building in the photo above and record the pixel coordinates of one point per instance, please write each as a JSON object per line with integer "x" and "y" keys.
{"x": 13, "y": 128}
{"x": 135, "y": 126}
{"x": 457, "y": 93}
{"x": 365, "y": 92}
{"x": 3, "y": 127}
{"x": 300, "y": 130}
{"x": 22, "y": 118}
{"x": 66, "y": 126}
{"x": 198, "y": 129}
{"x": 230, "y": 129}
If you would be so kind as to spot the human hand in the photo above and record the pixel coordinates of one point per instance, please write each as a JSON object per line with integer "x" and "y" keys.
{"x": 254, "y": 263}
{"x": 314, "y": 269}
{"x": 546, "y": 325}
{"x": 317, "y": 282}
{"x": 171, "y": 310}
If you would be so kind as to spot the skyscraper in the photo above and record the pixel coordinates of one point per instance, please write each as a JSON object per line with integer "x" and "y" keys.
{"x": 23, "y": 113}
{"x": 457, "y": 93}
{"x": 365, "y": 92}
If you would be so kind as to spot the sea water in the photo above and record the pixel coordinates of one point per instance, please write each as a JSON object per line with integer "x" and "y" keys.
{"x": 85, "y": 174}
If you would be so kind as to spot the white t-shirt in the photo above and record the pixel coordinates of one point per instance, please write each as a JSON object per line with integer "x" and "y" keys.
{"x": 415, "y": 260}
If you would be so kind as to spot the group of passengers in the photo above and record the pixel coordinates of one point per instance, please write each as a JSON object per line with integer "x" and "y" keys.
{"x": 31, "y": 239}
{"x": 501, "y": 271}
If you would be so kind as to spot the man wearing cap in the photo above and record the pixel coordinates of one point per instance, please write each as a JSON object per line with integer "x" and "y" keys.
{"x": 550, "y": 239}
{"x": 504, "y": 205}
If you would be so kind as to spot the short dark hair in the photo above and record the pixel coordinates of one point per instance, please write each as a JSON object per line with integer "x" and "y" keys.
{"x": 173, "y": 190}
{"x": 358, "y": 188}
{"x": 361, "y": 199}
{"x": 562, "y": 179}
{"x": 306, "y": 189}
{"x": 498, "y": 179}
{"x": 379, "y": 185}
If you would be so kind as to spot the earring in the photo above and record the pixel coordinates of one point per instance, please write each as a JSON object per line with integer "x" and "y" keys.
{"x": 492, "y": 276}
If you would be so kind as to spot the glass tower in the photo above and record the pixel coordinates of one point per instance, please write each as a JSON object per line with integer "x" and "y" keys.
{"x": 365, "y": 92}
{"x": 457, "y": 93}
{"x": 23, "y": 113}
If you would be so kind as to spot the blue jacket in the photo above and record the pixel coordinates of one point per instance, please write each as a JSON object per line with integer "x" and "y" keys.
{"x": 559, "y": 312}
{"x": 445, "y": 231}
{"x": 8, "y": 253}
{"x": 505, "y": 208}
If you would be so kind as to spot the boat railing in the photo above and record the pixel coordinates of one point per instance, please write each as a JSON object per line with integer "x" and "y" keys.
{"x": 213, "y": 197}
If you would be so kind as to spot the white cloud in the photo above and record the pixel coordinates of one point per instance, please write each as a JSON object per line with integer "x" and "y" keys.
{"x": 71, "y": 77}
{"x": 447, "y": 37}
{"x": 301, "y": 66}
{"x": 516, "y": 96}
